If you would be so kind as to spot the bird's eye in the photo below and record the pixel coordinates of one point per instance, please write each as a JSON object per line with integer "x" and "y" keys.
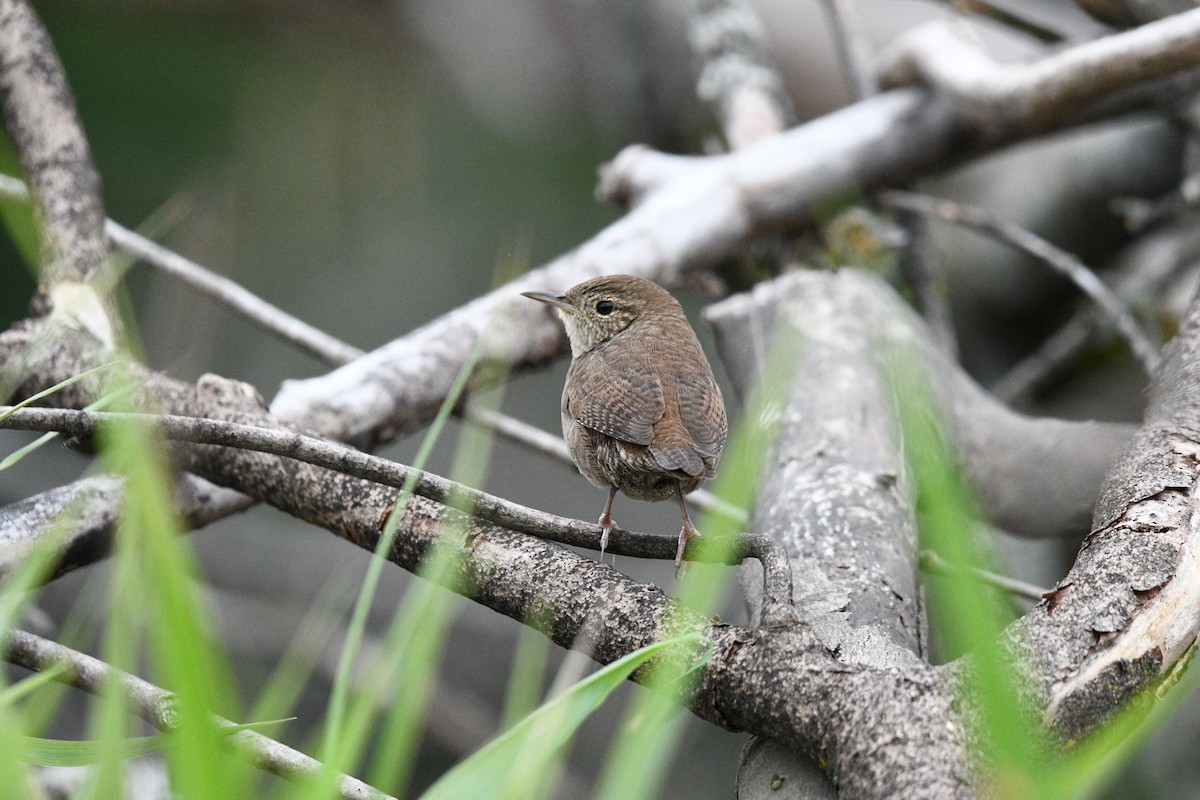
{"x": 604, "y": 307}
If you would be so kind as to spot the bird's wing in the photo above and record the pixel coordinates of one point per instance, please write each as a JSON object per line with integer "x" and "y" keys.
{"x": 690, "y": 440}
{"x": 702, "y": 412}
{"x": 622, "y": 399}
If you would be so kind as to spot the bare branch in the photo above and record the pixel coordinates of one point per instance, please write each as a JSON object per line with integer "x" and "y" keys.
{"x": 1055, "y": 352}
{"x": 852, "y": 51}
{"x": 1063, "y": 262}
{"x": 1030, "y": 27}
{"x": 830, "y": 488}
{"x": 993, "y": 96}
{"x": 1130, "y": 606}
{"x": 925, "y": 275}
{"x": 708, "y": 209}
{"x": 242, "y": 302}
{"x": 736, "y": 77}
{"x": 156, "y": 706}
{"x": 41, "y": 119}
{"x": 935, "y": 564}
{"x": 1143, "y": 272}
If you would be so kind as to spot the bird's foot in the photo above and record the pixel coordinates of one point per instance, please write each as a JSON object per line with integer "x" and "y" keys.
{"x": 607, "y": 526}
{"x": 685, "y": 533}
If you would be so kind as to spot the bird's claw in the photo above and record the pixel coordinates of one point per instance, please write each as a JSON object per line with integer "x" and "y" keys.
{"x": 685, "y": 533}
{"x": 607, "y": 526}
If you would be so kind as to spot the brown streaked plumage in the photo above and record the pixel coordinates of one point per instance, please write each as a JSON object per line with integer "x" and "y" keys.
{"x": 641, "y": 412}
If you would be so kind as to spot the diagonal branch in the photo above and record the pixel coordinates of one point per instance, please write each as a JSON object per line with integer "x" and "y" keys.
{"x": 221, "y": 289}
{"x": 156, "y": 706}
{"x": 1130, "y": 606}
{"x": 994, "y": 97}
{"x": 1027, "y": 241}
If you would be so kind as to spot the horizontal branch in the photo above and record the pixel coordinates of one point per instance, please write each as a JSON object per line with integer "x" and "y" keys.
{"x": 348, "y": 461}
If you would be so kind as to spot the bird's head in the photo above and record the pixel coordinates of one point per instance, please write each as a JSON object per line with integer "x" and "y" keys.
{"x": 599, "y": 309}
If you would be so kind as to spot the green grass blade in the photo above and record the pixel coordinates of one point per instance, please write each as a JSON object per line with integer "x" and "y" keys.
{"x": 966, "y": 616}
{"x": 14, "y": 775}
{"x": 526, "y": 677}
{"x": 56, "y": 387}
{"x": 65, "y": 753}
{"x": 161, "y": 575}
{"x": 414, "y": 647}
{"x": 16, "y": 455}
{"x": 80, "y": 753}
{"x": 21, "y": 689}
{"x": 531, "y": 743}
{"x": 334, "y": 754}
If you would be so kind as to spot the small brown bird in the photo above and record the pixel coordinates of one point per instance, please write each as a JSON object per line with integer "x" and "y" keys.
{"x": 641, "y": 412}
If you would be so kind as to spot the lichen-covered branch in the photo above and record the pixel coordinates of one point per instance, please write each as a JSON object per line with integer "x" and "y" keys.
{"x": 994, "y": 97}
{"x": 40, "y": 117}
{"x": 1128, "y": 609}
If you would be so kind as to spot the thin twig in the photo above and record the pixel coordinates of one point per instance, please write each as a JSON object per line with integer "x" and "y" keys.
{"x": 934, "y": 564}
{"x": 1139, "y": 213}
{"x": 1143, "y": 273}
{"x": 1060, "y": 260}
{"x": 246, "y": 304}
{"x": 925, "y": 275}
{"x": 1058, "y": 350}
{"x": 851, "y": 47}
{"x": 536, "y": 439}
{"x": 156, "y": 706}
{"x": 522, "y": 433}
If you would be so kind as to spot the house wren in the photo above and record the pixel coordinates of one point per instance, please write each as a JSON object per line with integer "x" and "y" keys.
{"x": 641, "y": 412}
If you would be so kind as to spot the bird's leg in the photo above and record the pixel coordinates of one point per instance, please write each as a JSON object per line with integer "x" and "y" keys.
{"x": 685, "y": 533}
{"x": 607, "y": 523}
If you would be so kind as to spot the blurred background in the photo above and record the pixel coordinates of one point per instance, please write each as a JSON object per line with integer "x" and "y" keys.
{"x": 367, "y": 165}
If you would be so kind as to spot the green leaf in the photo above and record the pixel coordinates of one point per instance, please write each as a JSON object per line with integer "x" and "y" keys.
{"x": 81, "y": 753}
{"x": 522, "y": 752}
{"x": 105, "y": 400}
{"x": 31, "y": 684}
{"x": 56, "y": 387}
{"x": 17, "y": 215}
{"x": 155, "y": 580}
{"x": 65, "y": 753}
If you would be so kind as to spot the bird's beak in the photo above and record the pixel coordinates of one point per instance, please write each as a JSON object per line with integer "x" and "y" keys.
{"x": 556, "y": 299}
